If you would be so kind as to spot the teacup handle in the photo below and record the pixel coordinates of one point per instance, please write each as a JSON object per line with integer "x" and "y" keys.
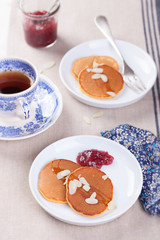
{"x": 25, "y": 107}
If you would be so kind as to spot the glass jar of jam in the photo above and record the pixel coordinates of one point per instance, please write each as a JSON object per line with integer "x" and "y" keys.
{"x": 40, "y": 22}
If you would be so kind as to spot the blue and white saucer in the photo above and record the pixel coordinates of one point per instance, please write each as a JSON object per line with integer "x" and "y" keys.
{"x": 47, "y": 109}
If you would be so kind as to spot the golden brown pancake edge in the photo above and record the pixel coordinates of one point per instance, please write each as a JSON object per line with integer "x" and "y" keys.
{"x": 78, "y": 204}
{"x": 49, "y": 186}
{"x": 84, "y": 62}
{"x": 96, "y": 87}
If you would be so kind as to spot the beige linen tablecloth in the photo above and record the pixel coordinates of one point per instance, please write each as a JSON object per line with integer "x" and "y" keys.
{"x": 21, "y": 217}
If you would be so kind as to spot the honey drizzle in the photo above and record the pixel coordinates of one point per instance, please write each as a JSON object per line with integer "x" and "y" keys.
{"x": 57, "y": 170}
{"x": 100, "y": 195}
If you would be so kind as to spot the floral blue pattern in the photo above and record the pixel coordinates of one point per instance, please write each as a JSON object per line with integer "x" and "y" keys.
{"x": 14, "y": 64}
{"x": 40, "y": 121}
{"x": 7, "y": 105}
{"x": 145, "y": 146}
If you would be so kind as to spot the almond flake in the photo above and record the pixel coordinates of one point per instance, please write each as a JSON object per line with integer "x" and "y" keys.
{"x": 86, "y": 187}
{"x": 100, "y": 75}
{"x": 72, "y": 187}
{"x": 95, "y": 64}
{"x": 96, "y": 76}
{"x": 41, "y": 71}
{"x": 78, "y": 183}
{"x": 86, "y": 119}
{"x": 83, "y": 181}
{"x": 97, "y": 114}
{"x": 48, "y": 65}
{"x": 111, "y": 205}
{"x": 104, "y": 78}
{"x": 104, "y": 177}
{"x": 65, "y": 180}
{"x": 97, "y": 70}
{"x": 63, "y": 173}
{"x": 91, "y": 200}
{"x": 93, "y": 195}
{"x": 111, "y": 93}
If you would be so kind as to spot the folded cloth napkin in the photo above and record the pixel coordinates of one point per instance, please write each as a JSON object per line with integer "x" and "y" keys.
{"x": 145, "y": 146}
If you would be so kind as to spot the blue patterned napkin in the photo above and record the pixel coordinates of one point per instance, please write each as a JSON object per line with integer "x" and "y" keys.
{"x": 146, "y": 148}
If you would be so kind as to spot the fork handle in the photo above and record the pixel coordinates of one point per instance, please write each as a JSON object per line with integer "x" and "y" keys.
{"x": 102, "y": 23}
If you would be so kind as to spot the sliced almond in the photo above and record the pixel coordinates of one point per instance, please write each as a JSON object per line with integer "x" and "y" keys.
{"x": 104, "y": 177}
{"x": 78, "y": 183}
{"x": 95, "y": 64}
{"x": 97, "y": 70}
{"x": 83, "y": 181}
{"x": 104, "y": 78}
{"x": 111, "y": 205}
{"x": 86, "y": 187}
{"x": 97, "y": 114}
{"x": 93, "y": 195}
{"x": 41, "y": 71}
{"x": 86, "y": 119}
{"x": 65, "y": 180}
{"x": 99, "y": 75}
{"x": 79, "y": 176}
{"x": 96, "y": 76}
{"x": 91, "y": 200}
{"x": 111, "y": 93}
{"x": 63, "y": 174}
{"x": 48, "y": 65}
{"x": 72, "y": 187}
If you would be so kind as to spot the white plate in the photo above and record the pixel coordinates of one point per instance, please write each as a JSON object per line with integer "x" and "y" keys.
{"x": 125, "y": 173}
{"x": 138, "y": 60}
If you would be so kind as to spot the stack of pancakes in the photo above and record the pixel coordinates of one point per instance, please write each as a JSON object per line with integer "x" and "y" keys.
{"x": 87, "y": 190}
{"x": 98, "y": 76}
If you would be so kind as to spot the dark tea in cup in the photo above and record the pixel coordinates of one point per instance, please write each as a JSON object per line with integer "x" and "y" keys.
{"x": 13, "y": 82}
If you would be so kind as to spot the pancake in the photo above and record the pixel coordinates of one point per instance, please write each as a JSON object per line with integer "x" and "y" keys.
{"x": 106, "y": 84}
{"x": 85, "y": 62}
{"x": 91, "y": 199}
{"x": 52, "y": 188}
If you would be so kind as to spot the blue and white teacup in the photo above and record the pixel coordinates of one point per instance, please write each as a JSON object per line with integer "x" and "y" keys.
{"x": 17, "y": 105}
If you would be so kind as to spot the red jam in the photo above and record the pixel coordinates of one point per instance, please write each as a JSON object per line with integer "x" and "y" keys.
{"x": 94, "y": 158}
{"x": 40, "y": 31}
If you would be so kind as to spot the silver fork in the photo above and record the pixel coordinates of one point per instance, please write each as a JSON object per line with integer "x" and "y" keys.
{"x": 130, "y": 78}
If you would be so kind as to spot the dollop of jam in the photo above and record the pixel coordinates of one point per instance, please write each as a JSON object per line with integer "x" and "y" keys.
{"x": 40, "y": 31}
{"x": 95, "y": 158}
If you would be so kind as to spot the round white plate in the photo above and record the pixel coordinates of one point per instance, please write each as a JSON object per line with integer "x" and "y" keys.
{"x": 137, "y": 59}
{"x": 125, "y": 173}
{"x": 49, "y": 106}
